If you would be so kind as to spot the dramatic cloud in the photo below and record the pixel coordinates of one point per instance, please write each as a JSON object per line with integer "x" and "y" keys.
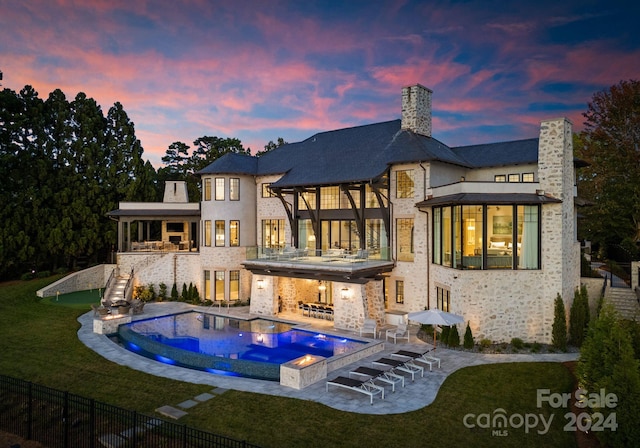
{"x": 258, "y": 70}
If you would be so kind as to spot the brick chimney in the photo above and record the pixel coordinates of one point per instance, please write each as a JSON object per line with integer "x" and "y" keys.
{"x": 416, "y": 109}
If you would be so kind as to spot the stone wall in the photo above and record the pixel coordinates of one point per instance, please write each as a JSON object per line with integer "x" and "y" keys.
{"x": 91, "y": 278}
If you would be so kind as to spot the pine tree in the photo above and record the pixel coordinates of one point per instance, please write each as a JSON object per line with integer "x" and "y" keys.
{"x": 454, "y": 337}
{"x": 468, "y": 338}
{"x": 444, "y": 335}
{"x": 559, "y": 328}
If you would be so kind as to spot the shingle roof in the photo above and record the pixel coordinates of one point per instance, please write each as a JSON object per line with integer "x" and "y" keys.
{"x": 516, "y": 152}
{"x": 363, "y": 153}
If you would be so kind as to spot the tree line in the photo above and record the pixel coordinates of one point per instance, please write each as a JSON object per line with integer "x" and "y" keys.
{"x": 64, "y": 165}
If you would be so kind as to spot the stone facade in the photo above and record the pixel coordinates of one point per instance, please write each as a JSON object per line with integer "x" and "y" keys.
{"x": 499, "y": 304}
{"x": 416, "y": 109}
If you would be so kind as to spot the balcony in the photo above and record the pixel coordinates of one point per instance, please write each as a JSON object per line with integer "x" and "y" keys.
{"x": 358, "y": 266}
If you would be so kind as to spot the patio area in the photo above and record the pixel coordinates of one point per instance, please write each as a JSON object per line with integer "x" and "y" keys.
{"x": 415, "y": 395}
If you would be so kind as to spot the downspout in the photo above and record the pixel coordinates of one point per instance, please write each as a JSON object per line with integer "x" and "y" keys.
{"x": 424, "y": 197}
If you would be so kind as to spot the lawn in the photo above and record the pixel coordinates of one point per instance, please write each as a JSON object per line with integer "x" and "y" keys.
{"x": 40, "y": 344}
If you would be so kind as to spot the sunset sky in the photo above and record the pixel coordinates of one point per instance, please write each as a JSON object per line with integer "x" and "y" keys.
{"x": 260, "y": 69}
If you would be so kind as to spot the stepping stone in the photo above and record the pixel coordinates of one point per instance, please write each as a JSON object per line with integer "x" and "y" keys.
{"x": 171, "y": 412}
{"x": 218, "y": 391}
{"x": 188, "y": 404}
{"x": 203, "y": 397}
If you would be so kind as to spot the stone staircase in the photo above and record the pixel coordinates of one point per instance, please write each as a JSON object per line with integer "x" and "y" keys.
{"x": 625, "y": 302}
{"x": 116, "y": 292}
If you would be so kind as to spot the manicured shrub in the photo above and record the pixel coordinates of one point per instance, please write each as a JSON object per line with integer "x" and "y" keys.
{"x": 468, "y": 338}
{"x": 517, "y": 343}
{"x": 579, "y": 317}
{"x": 162, "y": 293}
{"x": 174, "y": 292}
{"x": 485, "y": 343}
{"x": 559, "y": 328}
{"x": 185, "y": 293}
{"x": 454, "y": 337}
{"x": 444, "y": 335}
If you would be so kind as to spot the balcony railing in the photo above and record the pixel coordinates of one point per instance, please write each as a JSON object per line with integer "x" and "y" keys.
{"x": 291, "y": 254}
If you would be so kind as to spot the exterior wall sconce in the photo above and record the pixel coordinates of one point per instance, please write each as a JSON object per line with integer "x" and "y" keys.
{"x": 345, "y": 293}
{"x": 261, "y": 284}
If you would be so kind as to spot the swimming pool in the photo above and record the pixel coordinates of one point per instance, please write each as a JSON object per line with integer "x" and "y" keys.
{"x": 218, "y": 344}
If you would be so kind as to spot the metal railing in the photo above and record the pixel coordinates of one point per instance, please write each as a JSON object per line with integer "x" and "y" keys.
{"x": 60, "y": 419}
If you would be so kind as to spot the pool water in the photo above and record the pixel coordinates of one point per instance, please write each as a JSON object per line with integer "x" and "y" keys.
{"x": 251, "y": 348}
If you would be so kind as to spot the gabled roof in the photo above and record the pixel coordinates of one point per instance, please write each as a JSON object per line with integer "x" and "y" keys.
{"x": 363, "y": 153}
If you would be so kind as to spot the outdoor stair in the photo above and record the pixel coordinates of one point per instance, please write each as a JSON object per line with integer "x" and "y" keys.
{"x": 625, "y": 302}
{"x": 116, "y": 292}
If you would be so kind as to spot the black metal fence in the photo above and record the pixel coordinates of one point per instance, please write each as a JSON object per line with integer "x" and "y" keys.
{"x": 60, "y": 419}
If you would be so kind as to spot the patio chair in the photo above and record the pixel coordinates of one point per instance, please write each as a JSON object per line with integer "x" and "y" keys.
{"x": 400, "y": 332}
{"x": 365, "y": 387}
{"x": 369, "y": 326}
{"x": 403, "y": 366}
{"x": 137, "y": 306}
{"x": 424, "y": 357}
{"x": 386, "y": 376}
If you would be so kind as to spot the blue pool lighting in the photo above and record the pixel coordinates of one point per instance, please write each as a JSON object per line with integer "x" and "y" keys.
{"x": 250, "y": 348}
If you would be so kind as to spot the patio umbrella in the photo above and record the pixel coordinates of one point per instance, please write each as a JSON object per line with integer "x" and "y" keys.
{"x": 435, "y": 317}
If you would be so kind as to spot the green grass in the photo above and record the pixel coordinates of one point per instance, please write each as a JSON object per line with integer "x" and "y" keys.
{"x": 79, "y": 299}
{"x": 40, "y": 344}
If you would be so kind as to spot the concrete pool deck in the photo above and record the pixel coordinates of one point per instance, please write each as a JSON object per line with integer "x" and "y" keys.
{"x": 415, "y": 395}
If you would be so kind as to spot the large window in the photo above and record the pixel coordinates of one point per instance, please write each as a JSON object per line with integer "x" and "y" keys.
{"x": 234, "y": 233}
{"x": 487, "y": 236}
{"x": 273, "y": 233}
{"x": 219, "y": 286}
{"x": 404, "y": 184}
{"x": 219, "y": 233}
{"x": 234, "y": 285}
{"x": 404, "y": 231}
{"x": 234, "y": 189}
{"x": 219, "y": 189}
{"x": 207, "y": 189}
{"x": 207, "y": 233}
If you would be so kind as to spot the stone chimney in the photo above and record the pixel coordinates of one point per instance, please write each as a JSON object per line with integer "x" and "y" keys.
{"x": 175, "y": 191}
{"x": 416, "y": 109}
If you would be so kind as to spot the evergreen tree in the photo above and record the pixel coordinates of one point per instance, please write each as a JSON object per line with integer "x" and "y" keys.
{"x": 607, "y": 361}
{"x": 444, "y": 335}
{"x": 578, "y": 318}
{"x": 468, "y": 338}
{"x": 454, "y": 337}
{"x": 559, "y": 329}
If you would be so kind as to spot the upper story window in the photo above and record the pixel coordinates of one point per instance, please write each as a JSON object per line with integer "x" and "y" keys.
{"x": 514, "y": 177}
{"x": 404, "y": 184}
{"x": 207, "y": 233}
{"x": 330, "y": 198}
{"x": 487, "y": 236}
{"x": 266, "y": 191}
{"x": 207, "y": 189}
{"x": 219, "y": 189}
{"x": 527, "y": 177}
{"x": 404, "y": 232}
{"x": 234, "y": 189}
{"x": 307, "y": 197}
{"x": 219, "y": 233}
{"x": 499, "y": 178}
{"x": 234, "y": 233}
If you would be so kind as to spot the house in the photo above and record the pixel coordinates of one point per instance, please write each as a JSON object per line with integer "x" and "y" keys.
{"x": 380, "y": 220}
